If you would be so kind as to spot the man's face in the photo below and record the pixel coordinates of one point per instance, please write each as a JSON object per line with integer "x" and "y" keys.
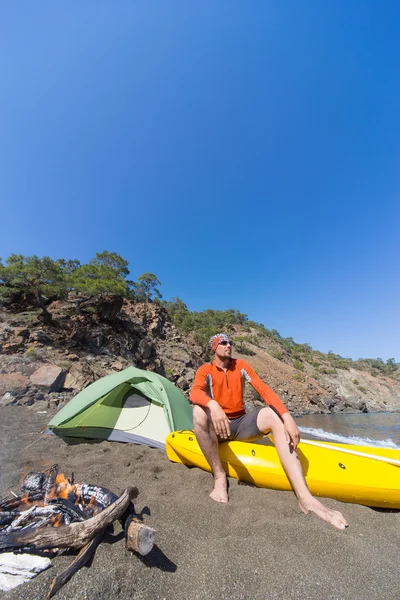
{"x": 224, "y": 350}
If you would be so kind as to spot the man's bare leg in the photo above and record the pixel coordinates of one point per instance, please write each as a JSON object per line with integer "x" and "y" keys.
{"x": 208, "y": 442}
{"x": 268, "y": 420}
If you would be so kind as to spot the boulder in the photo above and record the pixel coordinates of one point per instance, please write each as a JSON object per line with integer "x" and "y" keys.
{"x": 329, "y": 402}
{"x": 7, "y": 399}
{"x": 109, "y": 308}
{"x": 54, "y": 402}
{"x": 146, "y": 348}
{"x": 26, "y": 400}
{"x": 190, "y": 375}
{"x": 50, "y": 377}
{"x": 117, "y": 365}
{"x": 13, "y": 382}
{"x": 95, "y": 337}
{"x": 40, "y": 406}
{"x": 41, "y": 337}
{"x": 79, "y": 376}
{"x": 22, "y": 332}
{"x": 72, "y": 383}
{"x": 183, "y": 383}
{"x": 13, "y": 345}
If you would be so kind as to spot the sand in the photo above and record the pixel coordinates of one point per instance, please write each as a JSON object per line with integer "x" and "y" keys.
{"x": 259, "y": 546}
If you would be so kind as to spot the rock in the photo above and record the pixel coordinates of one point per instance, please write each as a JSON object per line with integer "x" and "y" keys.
{"x": 42, "y": 405}
{"x": 189, "y": 375}
{"x": 79, "y": 376}
{"x": 110, "y": 307}
{"x": 26, "y": 400}
{"x": 146, "y": 348}
{"x": 95, "y": 337}
{"x": 339, "y": 406}
{"x": 13, "y": 346}
{"x": 54, "y": 402}
{"x": 362, "y": 406}
{"x": 13, "y": 382}
{"x": 180, "y": 355}
{"x": 72, "y": 383}
{"x": 117, "y": 365}
{"x": 41, "y": 337}
{"x": 7, "y": 399}
{"x": 183, "y": 383}
{"x": 22, "y": 332}
{"x": 329, "y": 402}
{"x": 57, "y": 398}
{"x": 314, "y": 400}
{"x": 48, "y": 376}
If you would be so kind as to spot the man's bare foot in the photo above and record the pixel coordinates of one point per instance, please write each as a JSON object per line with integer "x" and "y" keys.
{"x": 334, "y": 517}
{"x": 220, "y": 491}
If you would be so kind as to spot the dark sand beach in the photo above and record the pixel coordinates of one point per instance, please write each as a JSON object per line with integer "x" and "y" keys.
{"x": 259, "y": 546}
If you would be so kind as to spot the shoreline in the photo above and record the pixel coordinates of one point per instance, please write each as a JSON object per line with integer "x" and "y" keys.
{"x": 258, "y": 546}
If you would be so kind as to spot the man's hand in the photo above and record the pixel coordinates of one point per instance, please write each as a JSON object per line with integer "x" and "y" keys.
{"x": 219, "y": 420}
{"x": 292, "y": 432}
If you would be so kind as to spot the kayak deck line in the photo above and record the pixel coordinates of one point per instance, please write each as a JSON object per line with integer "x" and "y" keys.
{"x": 389, "y": 461}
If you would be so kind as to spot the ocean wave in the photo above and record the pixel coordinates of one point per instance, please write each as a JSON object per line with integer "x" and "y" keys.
{"x": 329, "y": 436}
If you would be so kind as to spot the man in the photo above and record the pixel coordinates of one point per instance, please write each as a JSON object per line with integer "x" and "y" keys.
{"x": 219, "y": 415}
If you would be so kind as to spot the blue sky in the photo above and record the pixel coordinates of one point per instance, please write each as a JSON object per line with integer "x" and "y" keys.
{"x": 246, "y": 153}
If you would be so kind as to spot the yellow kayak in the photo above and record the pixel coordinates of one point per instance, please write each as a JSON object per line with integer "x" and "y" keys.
{"x": 331, "y": 470}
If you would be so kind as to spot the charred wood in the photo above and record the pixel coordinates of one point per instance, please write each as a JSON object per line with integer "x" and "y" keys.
{"x": 83, "y": 557}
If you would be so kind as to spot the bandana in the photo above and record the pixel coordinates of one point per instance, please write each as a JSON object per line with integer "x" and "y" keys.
{"x": 217, "y": 339}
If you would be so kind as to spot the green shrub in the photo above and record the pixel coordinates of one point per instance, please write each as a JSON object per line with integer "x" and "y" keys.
{"x": 32, "y": 353}
{"x": 327, "y": 371}
{"x": 298, "y": 376}
{"x": 298, "y": 365}
{"x": 89, "y": 310}
{"x": 243, "y": 349}
{"x": 28, "y": 318}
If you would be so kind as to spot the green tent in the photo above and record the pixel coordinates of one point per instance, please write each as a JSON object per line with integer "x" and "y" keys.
{"x": 129, "y": 406}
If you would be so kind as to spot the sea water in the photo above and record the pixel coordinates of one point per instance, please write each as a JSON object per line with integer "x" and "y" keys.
{"x": 370, "y": 429}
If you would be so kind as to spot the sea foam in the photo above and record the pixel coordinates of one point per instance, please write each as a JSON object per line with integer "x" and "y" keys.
{"x": 343, "y": 439}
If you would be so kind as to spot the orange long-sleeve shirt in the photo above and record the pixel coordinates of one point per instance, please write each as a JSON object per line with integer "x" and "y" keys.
{"x": 227, "y": 387}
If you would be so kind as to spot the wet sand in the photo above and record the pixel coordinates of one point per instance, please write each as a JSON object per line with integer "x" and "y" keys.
{"x": 259, "y": 546}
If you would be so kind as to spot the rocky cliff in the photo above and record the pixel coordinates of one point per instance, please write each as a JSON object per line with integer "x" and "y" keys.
{"x": 44, "y": 365}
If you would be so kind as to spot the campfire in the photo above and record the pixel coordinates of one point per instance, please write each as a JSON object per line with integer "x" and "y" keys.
{"x": 53, "y": 513}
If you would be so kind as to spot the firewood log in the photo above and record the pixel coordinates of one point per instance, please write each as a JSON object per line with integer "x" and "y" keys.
{"x": 139, "y": 537}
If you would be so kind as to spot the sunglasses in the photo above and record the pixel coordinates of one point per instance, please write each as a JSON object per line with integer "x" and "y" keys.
{"x": 225, "y": 343}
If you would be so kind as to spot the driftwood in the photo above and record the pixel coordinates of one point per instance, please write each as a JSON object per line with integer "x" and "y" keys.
{"x": 74, "y": 535}
{"x": 83, "y": 557}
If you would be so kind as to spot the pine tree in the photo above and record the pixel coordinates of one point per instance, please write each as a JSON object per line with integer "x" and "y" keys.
{"x": 41, "y": 277}
{"x": 146, "y": 289}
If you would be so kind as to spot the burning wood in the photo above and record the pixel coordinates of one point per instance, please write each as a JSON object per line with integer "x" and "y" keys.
{"x": 55, "y": 513}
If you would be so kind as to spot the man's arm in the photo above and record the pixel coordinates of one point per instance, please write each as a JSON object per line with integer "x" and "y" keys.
{"x": 291, "y": 430}
{"x": 261, "y": 388}
{"x": 198, "y": 393}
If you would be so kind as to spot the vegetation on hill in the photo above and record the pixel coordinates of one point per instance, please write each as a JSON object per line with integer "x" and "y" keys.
{"x": 34, "y": 280}
{"x": 37, "y": 281}
{"x": 202, "y": 325}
